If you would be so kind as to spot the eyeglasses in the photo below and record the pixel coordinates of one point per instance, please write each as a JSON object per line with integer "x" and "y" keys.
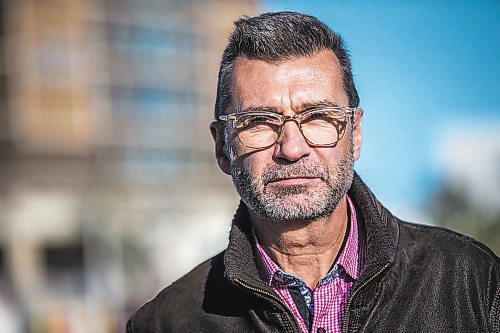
{"x": 261, "y": 129}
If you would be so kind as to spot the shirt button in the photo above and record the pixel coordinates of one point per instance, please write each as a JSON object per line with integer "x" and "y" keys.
{"x": 320, "y": 330}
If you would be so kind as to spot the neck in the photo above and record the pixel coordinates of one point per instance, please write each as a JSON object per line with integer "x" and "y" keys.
{"x": 306, "y": 249}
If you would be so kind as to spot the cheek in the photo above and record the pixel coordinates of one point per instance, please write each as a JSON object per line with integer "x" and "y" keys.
{"x": 333, "y": 156}
{"x": 253, "y": 162}
{"x": 232, "y": 147}
{"x": 329, "y": 158}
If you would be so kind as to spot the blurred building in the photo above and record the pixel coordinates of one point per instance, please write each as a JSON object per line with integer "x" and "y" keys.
{"x": 108, "y": 185}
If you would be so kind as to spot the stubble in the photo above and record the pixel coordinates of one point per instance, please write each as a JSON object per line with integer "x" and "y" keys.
{"x": 311, "y": 201}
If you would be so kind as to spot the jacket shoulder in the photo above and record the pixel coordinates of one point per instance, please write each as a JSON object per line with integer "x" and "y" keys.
{"x": 178, "y": 301}
{"x": 436, "y": 271}
{"x": 439, "y": 241}
{"x": 445, "y": 255}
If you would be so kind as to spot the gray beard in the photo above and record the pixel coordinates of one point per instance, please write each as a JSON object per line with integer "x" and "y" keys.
{"x": 297, "y": 202}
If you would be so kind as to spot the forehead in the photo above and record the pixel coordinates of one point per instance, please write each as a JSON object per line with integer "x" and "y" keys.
{"x": 288, "y": 84}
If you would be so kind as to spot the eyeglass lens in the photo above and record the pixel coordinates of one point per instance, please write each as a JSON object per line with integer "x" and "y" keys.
{"x": 259, "y": 131}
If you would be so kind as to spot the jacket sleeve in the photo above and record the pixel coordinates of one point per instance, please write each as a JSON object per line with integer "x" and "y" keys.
{"x": 495, "y": 313}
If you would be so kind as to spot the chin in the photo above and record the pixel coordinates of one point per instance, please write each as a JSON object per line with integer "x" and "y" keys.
{"x": 294, "y": 208}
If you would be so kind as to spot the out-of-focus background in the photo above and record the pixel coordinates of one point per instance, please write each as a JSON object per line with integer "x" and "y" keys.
{"x": 109, "y": 190}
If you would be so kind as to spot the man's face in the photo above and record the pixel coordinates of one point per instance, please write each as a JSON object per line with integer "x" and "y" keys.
{"x": 289, "y": 181}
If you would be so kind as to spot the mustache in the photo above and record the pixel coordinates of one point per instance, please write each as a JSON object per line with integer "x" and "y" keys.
{"x": 277, "y": 172}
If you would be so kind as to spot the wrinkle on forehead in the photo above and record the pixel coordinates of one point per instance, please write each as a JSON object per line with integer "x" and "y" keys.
{"x": 287, "y": 85}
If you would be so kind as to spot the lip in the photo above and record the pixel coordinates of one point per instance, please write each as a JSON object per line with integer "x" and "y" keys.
{"x": 292, "y": 181}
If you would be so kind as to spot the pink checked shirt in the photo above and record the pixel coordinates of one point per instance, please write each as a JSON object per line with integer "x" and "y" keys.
{"x": 327, "y": 302}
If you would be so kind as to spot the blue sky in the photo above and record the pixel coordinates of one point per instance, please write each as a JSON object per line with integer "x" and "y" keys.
{"x": 420, "y": 67}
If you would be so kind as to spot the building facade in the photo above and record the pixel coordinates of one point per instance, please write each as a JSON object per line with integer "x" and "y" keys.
{"x": 105, "y": 155}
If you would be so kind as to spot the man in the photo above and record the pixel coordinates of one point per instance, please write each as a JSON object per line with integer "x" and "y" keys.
{"x": 311, "y": 249}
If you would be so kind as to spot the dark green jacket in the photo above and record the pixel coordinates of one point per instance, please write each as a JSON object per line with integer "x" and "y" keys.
{"x": 415, "y": 279}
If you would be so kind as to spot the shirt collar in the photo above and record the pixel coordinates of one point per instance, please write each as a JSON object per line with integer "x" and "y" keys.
{"x": 347, "y": 260}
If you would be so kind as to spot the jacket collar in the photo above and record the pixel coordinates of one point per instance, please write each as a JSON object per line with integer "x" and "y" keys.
{"x": 380, "y": 228}
{"x": 375, "y": 221}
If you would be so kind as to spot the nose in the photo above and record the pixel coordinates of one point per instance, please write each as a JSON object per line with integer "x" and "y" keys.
{"x": 291, "y": 145}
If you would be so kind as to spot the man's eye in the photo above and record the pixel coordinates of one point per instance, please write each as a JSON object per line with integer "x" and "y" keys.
{"x": 319, "y": 114}
{"x": 261, "y": 119}
{"x": 324, "y": 115}
{"x": 253, "y": 121}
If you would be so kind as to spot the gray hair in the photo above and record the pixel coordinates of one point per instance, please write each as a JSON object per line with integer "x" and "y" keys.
{"x": 276, "y": 37}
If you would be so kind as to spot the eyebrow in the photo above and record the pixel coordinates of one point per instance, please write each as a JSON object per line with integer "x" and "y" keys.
{"x": 259, "y": 109}
{"x": 301, "y": 108}
{"x": 314, "y": 105}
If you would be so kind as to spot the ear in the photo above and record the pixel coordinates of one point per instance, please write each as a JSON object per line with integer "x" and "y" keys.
{"x": 358, "y": 117}
{"x": 218, "y": 135}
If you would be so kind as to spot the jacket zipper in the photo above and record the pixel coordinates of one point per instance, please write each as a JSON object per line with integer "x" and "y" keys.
{"x": 346, "y": 313}
{"x": 263, "y": 292}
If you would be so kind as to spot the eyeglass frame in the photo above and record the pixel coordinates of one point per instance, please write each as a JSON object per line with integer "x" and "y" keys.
{"x": 297, "y": 118}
